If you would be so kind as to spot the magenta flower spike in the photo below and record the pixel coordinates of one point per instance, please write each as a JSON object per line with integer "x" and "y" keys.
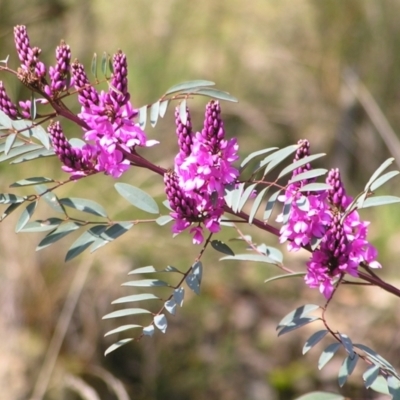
{"x": 185, "y": 136}
{"x": 6, "y": 105}
{"x": 119, "y": 82}
{"x": 59, "y": 73}
{"x": 87, "y": 94}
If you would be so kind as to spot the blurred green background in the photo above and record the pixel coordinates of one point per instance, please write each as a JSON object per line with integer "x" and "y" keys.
{"x": 290, "y": 63}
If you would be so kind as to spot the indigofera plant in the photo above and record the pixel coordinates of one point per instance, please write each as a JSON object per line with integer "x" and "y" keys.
{"x": 207, "y": 189}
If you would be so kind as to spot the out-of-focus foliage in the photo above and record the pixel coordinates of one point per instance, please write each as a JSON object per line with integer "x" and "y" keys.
{"x": 286, "y": 62}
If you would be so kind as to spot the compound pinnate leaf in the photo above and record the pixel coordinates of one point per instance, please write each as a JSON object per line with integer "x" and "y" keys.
{"x": 57, "y": 234}
{"x": 189, "y": 85}
{"x": 314, "y": 339}
{"x": 26, "y": 215}
{"x": 321, "y": 396}
{"x": 117, "y": 345}
{"x": 161, "y": 322}
{"x": 222, "y": 247}
{"x": 122, "y": 328}
{"x": 136, "y": 297}
{"x": 137, "y": 197}
{"x": 370, "y": 375}
{"x": 126, "y": 312}
{"x": 327, "y": 354}
{"x": 146, "y": 283}
{"x": 179, "y": 294}
{"x": 85, "y": 205}
{"x": 31, "y": 181}
{"x": 170, "y": 306}
{"x": 148, "y": 330}
{"x": 347, "y": 368}
{"x": 296, "y": 314}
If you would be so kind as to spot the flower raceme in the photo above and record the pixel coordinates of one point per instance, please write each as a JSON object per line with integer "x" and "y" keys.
{"x": 203, "y": 167}
{"x": 320, "y": 216}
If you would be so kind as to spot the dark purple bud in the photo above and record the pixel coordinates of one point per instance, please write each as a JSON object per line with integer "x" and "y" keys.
{"x": 213, "y": 130}
{"x": 119, "y": 82}
{"x": 59, "y": 73}
{"x": 87, "y": 94}
{"x": 184, "y": 133}
{"x": 337, "y": 194}
{"x": 6, "y": 105}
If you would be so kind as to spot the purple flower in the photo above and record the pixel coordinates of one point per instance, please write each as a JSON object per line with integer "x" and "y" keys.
{"x": 6, "y": 105}
{"x": 59, "y": 73}
{"x": 87, "y": 94}
{"x": 185, "y": 136}
{"x": 119, "y": 82}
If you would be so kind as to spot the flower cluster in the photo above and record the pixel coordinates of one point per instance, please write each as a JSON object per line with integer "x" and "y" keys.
{"x": 320, "y": 217}
{"x": 203, "y": 168}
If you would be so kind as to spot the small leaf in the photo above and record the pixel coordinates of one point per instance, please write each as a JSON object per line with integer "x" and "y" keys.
{"x": 247, "y": 193}
{"x": 5, "y": 121}
{"x": 85, "y": 205}
{"x": 154, "y": 112}
{"x": 251, "y": 257}
{"x": 146, "y": 283}
{"x": 299, "y": 312}
{"x": 7, "y": 198}
{"x": 303, "y": 176}
{"x": 347, "y": 368}
{"x": 314, "y": 339}
{"x": 142, "y": 116}
{"x": 380, "y": 385}
{"x": 378, "y": 171}
{"x": 123, "y": 328}
{"x": 50, "y": 198}
{"x": 126, "y": 312}
{"x": 9, "y": 210}
{"x": 321, "y": 396}
{"x": 93, "y": 67}
{"x": 31, "y": 181}
{"x": 236, "y": 196}
{"x": 370, "y": 375}
{"x": 161, "y": 322}
{"x": 394, "y": 387}
{"x": 327, "y": 354}
{"x": 57, "y": 234}
{"x": 9, "y": 142}
{"x": 383, "y": 179}
{"x": 179, "y": 295}
{"x": 163, "y": 108}
{"x": 26, "y": 215}
{"x": 270, "y": 205}
{"x": 39, "y": 133}
{"x": 222, "y": 247}
{"x": 164, "y": 220}
{"x": 379, "y": 201}
{"x": 137, "y": 197}
{"x": 193, "y": 283}
{"x": 148, "y": 330}
{"x": 278, "y": 277}
{"x": 16, "y": 151}
{"x": 170, "y": 306}
{"x": 32, "y": 110}
{"x": 300, "y": 163}
{"x": 256, "y": 204}
{"x": 143, "y": 270}
{"x": 117, "y": 345}
{"x": 315, "y": 187}
{"x": 213, "y": 93}
{"x": 188, "y": 86}
{"x": 256, "y": 154}
{"x": 277, "y": 157}
{"x": 297, "y": 323}
{"x": 42, "y": 225}
{"x": 33, "y": 155}
{"x": 347, "y": 343}
{"x": 197, "y": 269}
{"x": 182, "y": 112}
{"x": 136, "y": 297}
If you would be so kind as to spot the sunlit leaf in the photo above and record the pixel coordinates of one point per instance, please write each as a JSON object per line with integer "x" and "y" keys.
{"x": 42, "y": 225}
{"x": 161, "y": 322}
{"x": 247, "y": 193}
{"x": 62, "y": 231}
{"x": 378, "y": 171}
{"x": 12, "y": 207}
{"x": 136, "y": 297}
{"x": 126, "y": 312}
{"x": 299, "y": 312}
{"x": 277, "y": 157}
{"x": 315, "y": 187}
{"x": 314, "y": 173}
{"x": 148, "y": 330}
{"x": 9, "y": 142}
{"x": 122, "y": 328}
{"x": 179, "y": 294}
{"x": 380, "y": 385}
{"x": 5, "y": 121}
{"x": 299, "y": 163}
{"x": 163, "y": 108}
{"x": 347, "y": 344}
{"x": 256, "y": 204}
{"x": 222, "y": 247}
{"x": 142, "y": 116}
{"x": 50, "y": 198}
{"x": 93, "y": 66}
{"x": 379, "y": 201}
{"x": 16, "y": 151}
{"x": 383, "y": 179}
{"x": 256, "y": 154}
{"x": 164, "y": 220}
{"x": 213, "y": 93}
{"x": 154, "y": 113}
{"x": 117, "y": 345}
{"x": 32, "y": 110}
{"x": 270, "y": 205}
{"x": 31, "y": 181}
{"x": 314, "y": 339}
{"x": 143, "y": 270}
{"x": 394, "y": 387}
{"x": 137, "y": 197}
{"x": 183, "y": 112}
{"x": 347, "y": 368}
{"x": 327, "y": 354}
{"x": 39, "y": 153}
{"x": 370, "y": 375}
{"x": 236, "y": 196}
{"x": 170, "y": 306}
{"x": 188, "y": 86}
{"x": 297, "y": 323}
{"x": 146, "y": 283}
{"x": 6, "y": 198}
{"x": 285, "y": 276}
{"x": 26, "y": 215}
{"x": 39, "y": 133}
{"x": 321, "y": 396}
{"x": 251, "y": 257}
{"x": 85, "y": 205}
